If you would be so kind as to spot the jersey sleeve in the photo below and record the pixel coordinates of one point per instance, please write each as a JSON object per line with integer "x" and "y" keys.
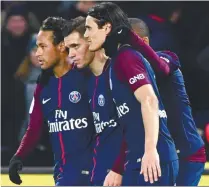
{"x": 35, "y": 127}
{"x": 130, "y": 68}
{"x": 163, "y": 62}
{"x": 171, "y": 59}
{"x": 118, "y": 166}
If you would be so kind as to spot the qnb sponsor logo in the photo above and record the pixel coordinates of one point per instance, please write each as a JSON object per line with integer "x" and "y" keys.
{"x": 136, "y": 78}
{"x": 122, "y": 109}
{"x": 72, "y": 124}
{"x": 162, "y": 114}
{"x": 100, "y": 126}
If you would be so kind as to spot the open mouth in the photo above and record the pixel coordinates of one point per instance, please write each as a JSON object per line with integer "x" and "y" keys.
{"x": 41, "y": 62}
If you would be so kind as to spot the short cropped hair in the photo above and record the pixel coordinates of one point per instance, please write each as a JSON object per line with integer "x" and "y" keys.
{"x": 141, "y": 26}
{"x": 56, "y": 25}
{"x": 77, "y": 24}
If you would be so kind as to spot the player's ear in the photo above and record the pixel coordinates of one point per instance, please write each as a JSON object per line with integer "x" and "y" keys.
{"x": 62, "y": 47}
{"x": 146, "y": 40}
{"x": 107, "y": 27}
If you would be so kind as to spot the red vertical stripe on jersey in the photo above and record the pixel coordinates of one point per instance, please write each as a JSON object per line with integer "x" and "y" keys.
{"x": 62, "y": 148}
{"x": 97, "y": 141}
{"x": 95, "y": 151}
{"x": 60, "y": 134}
{"x": 95, "y": 88}
{"x": 59, "y": 93}
{"x": 95, "y": 163}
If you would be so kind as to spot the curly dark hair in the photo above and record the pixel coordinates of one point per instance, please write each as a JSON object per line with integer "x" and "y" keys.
{"x": 76, "y": 24}
{"x": 55, "y": 24}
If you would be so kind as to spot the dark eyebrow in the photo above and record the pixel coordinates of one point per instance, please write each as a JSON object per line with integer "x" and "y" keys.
{"x": 39, "y": 43}
{"x": 73, "y": 45}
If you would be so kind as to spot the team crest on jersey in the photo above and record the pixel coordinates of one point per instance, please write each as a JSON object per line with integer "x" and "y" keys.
{"x": 75, "y": 96}
{"x": 101, "y": 100}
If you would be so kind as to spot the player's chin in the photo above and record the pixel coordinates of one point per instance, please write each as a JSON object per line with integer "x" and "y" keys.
{"x": 43, "y": 67}
{"x": 80, "y": 66}
{"x": 94, "y": 48}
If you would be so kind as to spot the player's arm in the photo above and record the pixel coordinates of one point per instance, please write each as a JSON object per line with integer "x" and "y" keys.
{"x": 114, "y": 177}
{"x": 150, "y": 167}
{"x": 163, "y": 62}
{"x": 149, "y": 107}
{"x": 118, "y": 166}
{"x": 34, "y": 130}
{"x": 133, "y": 71}
{"x": 30, "y": 139}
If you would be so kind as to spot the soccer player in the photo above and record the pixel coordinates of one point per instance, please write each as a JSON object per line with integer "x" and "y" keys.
{"x": 189, "y": 144}
{"x": 151, "y": 150}
{"x": 60, "y": 102}
{"x": 108, "y": 133}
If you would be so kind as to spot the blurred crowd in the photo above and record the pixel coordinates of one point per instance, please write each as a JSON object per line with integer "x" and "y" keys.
{"x": 182, "y": 27}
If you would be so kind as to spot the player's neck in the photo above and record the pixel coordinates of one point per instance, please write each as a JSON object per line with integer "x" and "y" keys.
{"x": 98, "y": 62}
{"x": 62, "y": 68}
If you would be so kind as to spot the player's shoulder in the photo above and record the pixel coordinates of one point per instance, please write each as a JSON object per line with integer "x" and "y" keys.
{"x": 169, "y": 57}
{"x": 127, "y": 52}
{"x": 126, "y": 48}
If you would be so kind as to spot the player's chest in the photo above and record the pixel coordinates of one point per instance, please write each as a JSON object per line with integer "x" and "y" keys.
{"x": 65, "y": 96}
{"x": 100, "y": 97}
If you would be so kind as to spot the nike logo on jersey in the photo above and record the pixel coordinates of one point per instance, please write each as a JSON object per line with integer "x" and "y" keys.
{"x": 120, "y": 31}
{"x": 45, "y": 101}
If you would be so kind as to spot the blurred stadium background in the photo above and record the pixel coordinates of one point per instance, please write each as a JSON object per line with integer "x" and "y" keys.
{"x": 182, "y": 27}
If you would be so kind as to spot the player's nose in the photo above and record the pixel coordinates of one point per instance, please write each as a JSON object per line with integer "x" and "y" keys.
{"x": 38, "y": 52}
{"x": 86, "y": 35}
{"x": 72, "y": 54}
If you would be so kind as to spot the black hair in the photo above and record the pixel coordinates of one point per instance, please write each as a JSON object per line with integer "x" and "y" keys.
{"x": 109, "y": 12}
{"x": 77, "y": 24}
{"x": 142, "y": 28}
{"x": 56, "y": 25}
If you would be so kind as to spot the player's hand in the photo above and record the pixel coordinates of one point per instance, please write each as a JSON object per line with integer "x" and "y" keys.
{"x": 113, "y": 179}
{"x": 15, "y": 165}
{"x": 150, "y": 166}
{"x": 116, "y": 36}
{"x": 120, "y": 33}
